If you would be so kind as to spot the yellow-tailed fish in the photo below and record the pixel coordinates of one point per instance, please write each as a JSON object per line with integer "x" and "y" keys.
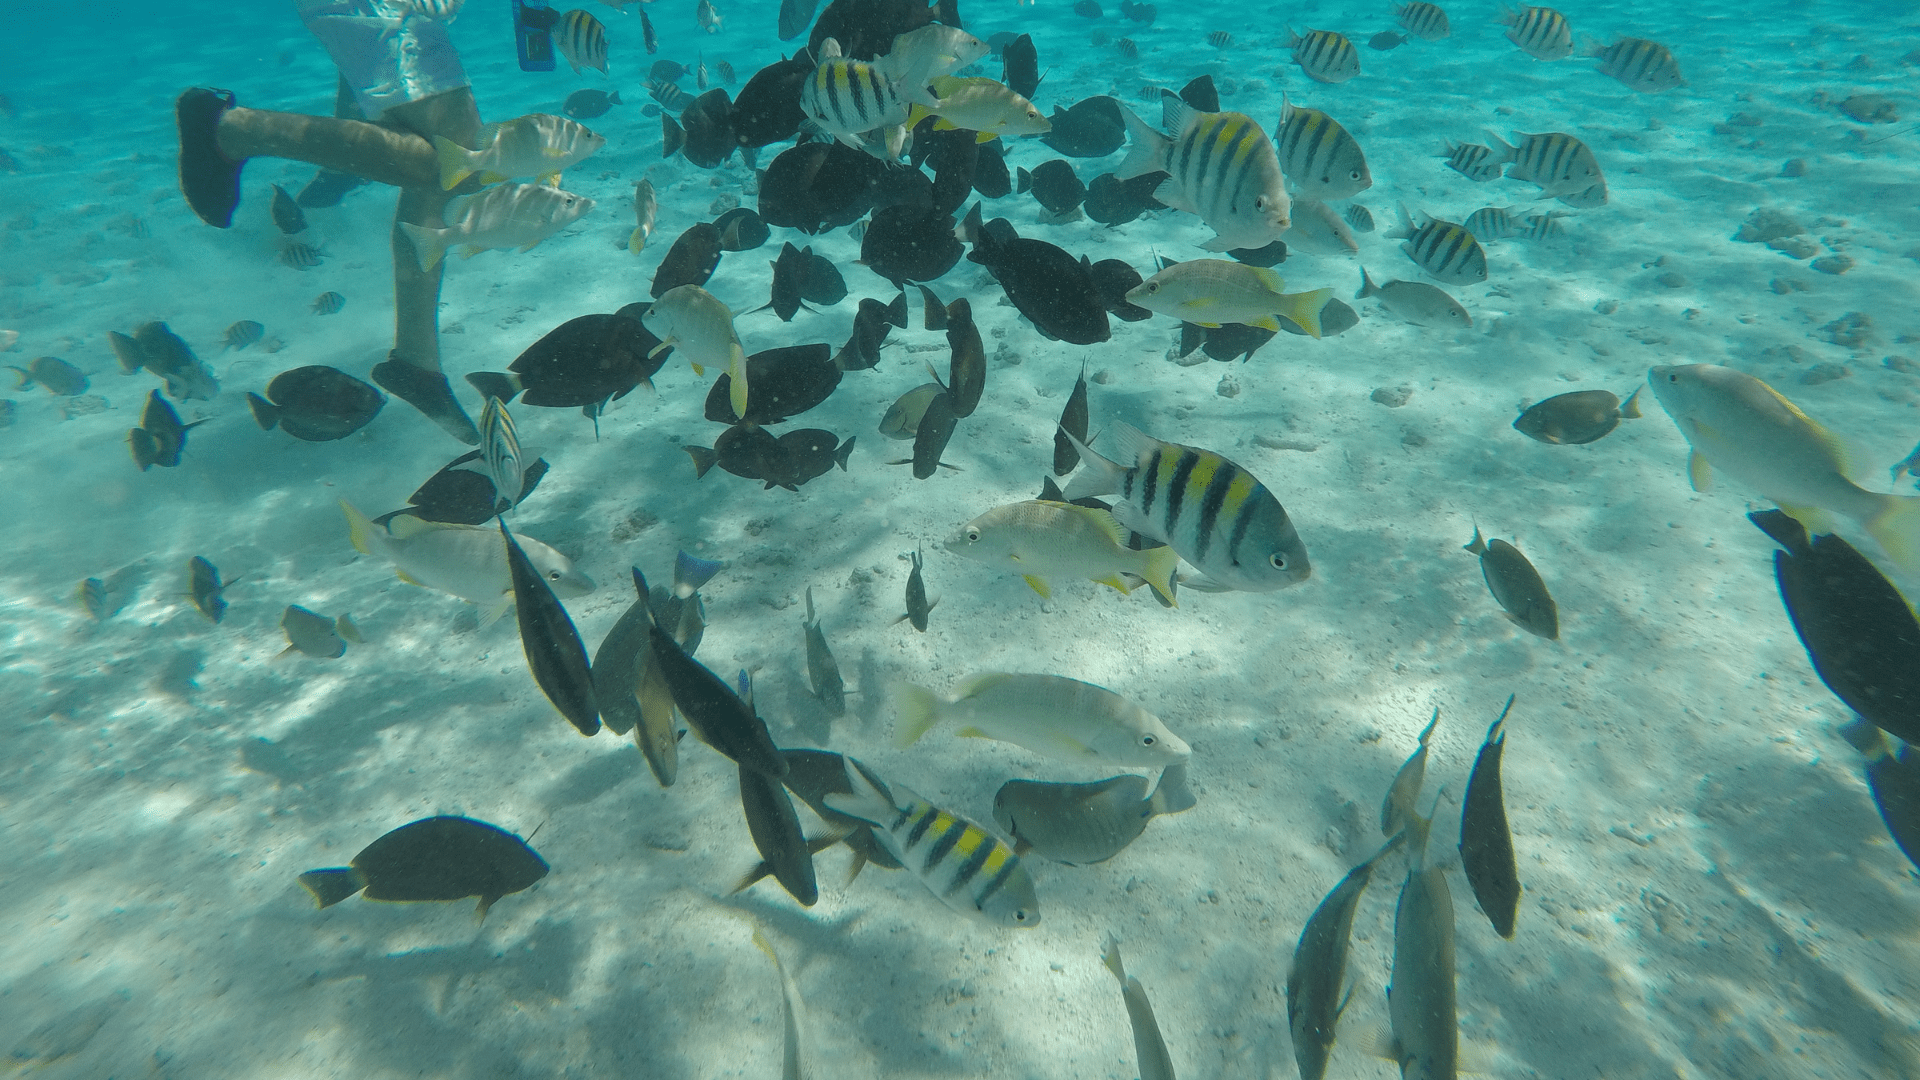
{"x": 1039, "y": 540}
{"x": 1048, "y": 714}
{"x": 1212, "y": 292}
{"x": 540, "y": 145}
{"x": 694, "y": 321}
{"x": 467, "y": 561}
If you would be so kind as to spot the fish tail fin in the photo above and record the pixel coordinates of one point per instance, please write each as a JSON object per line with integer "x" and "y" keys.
{"x": 1100, "y": 477}
{"x": 1866, "y": 738}
{"x": 455, "y": 165}
{"x": 1502, "y": 149}
{"x": 1367, "y": 287}
{"x": 637, "y": 241}
{"x": 703, "y": 459}
{"x": 1303, "y": 309}
{"x": 1146, "y": 148}
{"x": 1630, "y": 409}
{"x": 1110, "y": 956}
{"x": 1897, "y": 529}
{"x": 429, "y": 246}
{"x": 1172, "y": 795}
{"x": 737, "y": 372}
{"x": 747, "y": 881}
{"x": 360, "y": 529}
{"x": 1158, "y": 569}
{"x": 329, "y": 887}
{"x": 866, "y": 801}
{"x": 22, "y": 378}
{"x": 918, "y": 710}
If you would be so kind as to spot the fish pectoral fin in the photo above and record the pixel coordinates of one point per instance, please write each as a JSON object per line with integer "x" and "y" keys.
{"x": 1264, "y": 322}
{"x": 698, "y": 368}
{"x": 1113, "y": 581}
{"x": 499, "y": 608}
{"x": 1699, "y": 471}
{"x": 972, "y": 733}
{"x": 667, "y": 343}
{"x": 1038, "y": 584}
{"x": 406, "y": 577}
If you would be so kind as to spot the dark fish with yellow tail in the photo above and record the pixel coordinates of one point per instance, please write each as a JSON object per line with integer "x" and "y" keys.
{"x": 1149, "y": 1047}
{"x": 436, "y": 858}
{"x": 1397, "y": 809}
{"x": 204, "y": 588}
{"x": 1316, "y": 984}
{"x": 1082, "y": 824}
{"x": 1893, "y": 776}
{"x": 1421, "y": 998}
{"x": 1578, "y": 417}
{"x": 552, "y": 646}
{"x": 714, "y": 712}
{"x": 1517, "y": 586}
{"x": 776, "y": 834}
{"x": 823, "y": 672}
{"x": 918, "y": 608}
{"x": 1486, "y": 844}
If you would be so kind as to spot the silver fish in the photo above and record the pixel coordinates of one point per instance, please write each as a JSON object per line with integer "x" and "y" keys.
{"x": 1398, "y": 807}
{"x": 1317, "y": 981}
{"x": 314, "y": 635}
{"x": 1415, "y": 301}
{"x": 1149, "y": 1048}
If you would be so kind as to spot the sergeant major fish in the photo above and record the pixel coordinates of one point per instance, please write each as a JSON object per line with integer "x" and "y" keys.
{"x": 1541, "y": 32}
{"x": 1442, "y": 248}
{"x": 1644, "y": 66}
{"x": 1318, "y": 156}
{"x": 1561, "y": 164}
{"x": 1324, "y": 55}
{"x": 1214, "y": 513}
{"x": 1222, "y": 167}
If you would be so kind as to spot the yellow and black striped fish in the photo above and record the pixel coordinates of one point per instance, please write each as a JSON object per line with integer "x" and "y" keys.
{"x": 1423, "y": 20}
{"x": 1644, "y": 66}
{"x": 850, "y": 98}
{"x": 1443, "y": 249}
{"x": 1541, "y": 32}
{"x": 1325, "y": 56}
{"x": 971, "y": 870}
{"x": 328, "y": 303}
{"x": 1473, "y": 161}
{"x": 1213, "y": 513}
{"x": 1223, "y": 168}
{"x": 582, "y": 40}
{"x": 1558, "y": 162}
{"x": 1491, "y": 223}
{"x": 1318, "y": 155}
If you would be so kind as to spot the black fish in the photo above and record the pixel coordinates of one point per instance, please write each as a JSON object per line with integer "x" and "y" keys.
{"x": 933, "y": 313}
{"x": 917, "y": 606}
{"x": 1073, "y": 421}
{"x": 672, "y": 136}
{"x": 436, "y": 858}
{"x": 1336, "y": 316}
{"x": 805, "y": 455}
{"x": 786, "y": 382}
{"x": 1140, "y": 13}
{"x": 820, "y": 280}
{"x": 1230, "y": 341}
{"x": 1893, "y": 775}
{"x": 1113, "y": 201}
{"x": 1201, "y": 94}
{"x": 750, "y": 451}
{"x": 871, "y": 326}
{"x": 866, "y": 28}
{"x": 1093, "y": 127}
{"x": 777, "y": 836}
{"x": 931, "y": 437}
{"x": 708, "y": 123}
{"x": 1089, "y": 9}
{"x": 587, "y": 104}
{"x": 650, "y": 39}
{"x": 204, "y": 588}
{"x": 1269, "y": 255}
{"x": 947, "y": 12}
{"x": 554, "y": 651}
{"x": 1020, "y": 66}
{"x": 691, "y": 260}
{"x": 815, "y": 774}
{"x": 1114, "y": 279}
{"x": 768, "y": 108}
{"x": 286, "y": 212}
{"x": 1576, "y": 418}
{"x": 161, "y": 437}
{"x": 823, "y": 671}
{"x": 462, "y": 493}
{"x": 1056, "y": 187}
{"x": 795, "y": 16}
{"x": 990, "y": 176}
{"x": 955, "y": 157}
{"x": 1050, "y": 287}
{"x": 785, "y": 298}
{"x": 1486, "y": 845}
{"x": 316, "y": 403}
{"x": 1857, "y": 628}
{"x": 584, "y": 362}
{"x": 910, "y": 243}
{"x": 967, "y": 367}
{"x": 666, "y": 71}
{"x": 741, "y": 230}
{"x": 327, "y": 188}
{"x": 818, "y": 186}
{"x": 1518, "y": 588}
{"x": 714, "y": 712}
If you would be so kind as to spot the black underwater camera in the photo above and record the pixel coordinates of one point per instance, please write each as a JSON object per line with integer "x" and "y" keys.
{"x": 533, "y": 23}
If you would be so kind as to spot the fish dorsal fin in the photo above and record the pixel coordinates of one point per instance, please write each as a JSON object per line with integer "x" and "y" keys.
{"x": 979, "y": 684}
{"x": 407, "y": 526}
{"x": 1176, "y": 115}
{"x": 1105, "y": 522}
{"x": 1269, "y": 277}
{"x": 829, "y": 50}
{"x": 1131, "y": 444}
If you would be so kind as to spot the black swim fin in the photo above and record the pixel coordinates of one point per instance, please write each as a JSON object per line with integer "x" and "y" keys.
{"x": 429, "y": 392}
{"x": 210, "y": 181}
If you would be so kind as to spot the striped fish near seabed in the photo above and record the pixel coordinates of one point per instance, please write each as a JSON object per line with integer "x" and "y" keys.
{"x": 1442, "y": 248}
{"x": 851, "y": 99}
{"x": 1324, "y": 55}
{"x": 1215, "y": 161}
{"x": 971, "y": 870}
{"x": 500, "y": 450}
{"x": 1541, "y": 32}
{"x": 1318, "y": 156}
{"x": 1561, "y": 164}
{"x": 1214, "y": 513}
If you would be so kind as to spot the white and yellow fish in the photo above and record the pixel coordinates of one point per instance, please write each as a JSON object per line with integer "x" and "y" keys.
{"x": 1048, "y": 714}
{"x": 982, "y": 105}
{"x": 467, "y": 561}
{"x": 1038, "y": 540}
{"x": 1213, "y": 292}
{"x": 539, "y": 145}
{"x": 694, "y": 321}
{"x": 506, "y": 216}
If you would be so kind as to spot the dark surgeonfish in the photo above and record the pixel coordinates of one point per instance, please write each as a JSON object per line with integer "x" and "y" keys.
{"x": 785, "y": 293}
{"x": 1858, "y": 629}
{"x": 823, "y": 671}
{"x": 1422, "y": 1006}
{"x": 1201, "y": 94}
{"x": 436, "y": 858}
{"x": 691, "y": 260}
{"x": 1486, "y": 845}
{"x": 786, "y": 382}
{"x": 1020, "y": 68}
{"x": 795, "y": 17}
{"x": 777, "y": 836}
{"x": 1316, "y": 985}
{"x": 58, "y": 376}
{"x": 316, "y": 403}
{"x": 462, "y": 492}
{"x": 1082, "y": 824}
{"x": 1573, "y": 419}
{"x": 1048, "y": 286}
{"x": 815, "y": 774}
{"x": 871, "y": 325}
{"x": 161, "y": 437}
{"x": 918, "y": 608}
{"x": 967, "y": 365}
{"x": 1057, "y": 188}
{"x": 1114, "y": 279}
{"x": 1073, "y": 421}
{"x": 583, "y": 363}
{"x": 931, "y": 435}
{"x": 707, "y": 124}
{"x": 714, "y": 713}
{"x": 165, "y": 353}
{"x": 865, "y": 29}
{"x": 1517, "y": 586}
{"x": 767, "y": 111}
{"x": 1894, "y": 778}
{"x": 750, "y": 451}
{"x": 553, "y": 648}
{"x": 1092, "y": 127}
{"x": 818, "y": 186}
{"x": 741, "y": 229}
{"x": 1113, "y": 201}
{"x": 910, "y": 243}
{"x": 204, "y": 588}
{"x": 287, "y": 215}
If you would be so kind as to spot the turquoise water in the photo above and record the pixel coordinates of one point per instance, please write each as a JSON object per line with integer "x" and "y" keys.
{"x": 1708, "y": 889}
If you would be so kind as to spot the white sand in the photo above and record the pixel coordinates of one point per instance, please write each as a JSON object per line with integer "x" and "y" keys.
{"x": 1708, "y": 890}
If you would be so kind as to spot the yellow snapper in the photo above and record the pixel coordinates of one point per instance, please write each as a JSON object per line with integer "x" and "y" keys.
{"x": 986, "y": 106}
{"x": 1038, "y": 539}
{"x": 1745, "y": 428}
{"x": 468, "y": 561}
{"x": 646, "y": 206}
{"x": 507, "y": 216}
{"x": 1048, "y": 714}
{"x": 539, "y": 145}
{"x": 693, "y": 320}
{"x": 1210, "y": 292}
